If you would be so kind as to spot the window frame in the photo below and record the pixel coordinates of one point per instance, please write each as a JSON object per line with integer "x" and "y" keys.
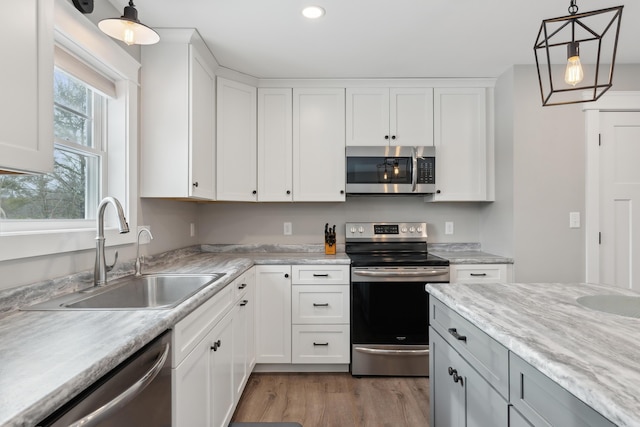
{"x": 82, "y": 39}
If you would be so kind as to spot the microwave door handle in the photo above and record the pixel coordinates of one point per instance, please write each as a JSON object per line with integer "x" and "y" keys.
{"x": 414, "y": 170}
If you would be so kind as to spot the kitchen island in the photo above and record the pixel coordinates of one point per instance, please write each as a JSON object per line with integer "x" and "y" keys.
{"x": 593, "y": 355}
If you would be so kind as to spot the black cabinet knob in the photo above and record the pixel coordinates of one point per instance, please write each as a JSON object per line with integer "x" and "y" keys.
{"x": 386, "y": 137}
{"x": 286, "y": 276}
{"x": 341, "y": 191}
{"x": 288, "y": 192}
{"x": 195, "y": 184}
{"x": 437, "y": 191}
{"x": 254, "y": 192}
{"x": 393, "y": 137}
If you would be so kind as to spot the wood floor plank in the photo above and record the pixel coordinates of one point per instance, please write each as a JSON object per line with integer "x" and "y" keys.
{"x": 335, "y": 399}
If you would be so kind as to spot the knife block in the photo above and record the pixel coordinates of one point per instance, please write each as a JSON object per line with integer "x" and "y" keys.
{"x": 329, "y": 250}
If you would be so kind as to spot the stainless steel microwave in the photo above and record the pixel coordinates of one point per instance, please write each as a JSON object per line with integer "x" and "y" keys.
{"x": 390, "y": 170}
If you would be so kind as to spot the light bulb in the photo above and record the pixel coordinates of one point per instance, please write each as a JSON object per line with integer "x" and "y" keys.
{"x": 573, "y": 74}
{"x": 396, "y": 169}
{"x": 129, "y": 35}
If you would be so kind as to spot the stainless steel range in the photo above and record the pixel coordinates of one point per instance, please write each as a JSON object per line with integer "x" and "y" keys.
{"x": 390, "y": 266}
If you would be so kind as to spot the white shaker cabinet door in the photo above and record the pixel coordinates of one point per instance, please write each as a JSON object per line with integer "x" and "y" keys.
{"x": 275, "y": 145}
{"x": 236, "y": 141}
{"x": 319, "y": 145}
{"x": 367, "y": 112}
{"x": 273, "y": 314}
{"x": 411, "y": 117}
{"x": 464, "y": 155}
{"x": 26, "y": 85}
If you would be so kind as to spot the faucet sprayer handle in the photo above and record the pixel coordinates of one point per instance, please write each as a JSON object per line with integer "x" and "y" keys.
{"x": 110, "y": 267}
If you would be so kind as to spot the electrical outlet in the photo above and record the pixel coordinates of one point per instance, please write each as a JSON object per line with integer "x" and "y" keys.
{"x": 448, "y": 227}
{"x": 288, "y": 229}
{"x": 192, "y": 229}
{"x": 574, "y": 219}
{"x": 144, "y": 238}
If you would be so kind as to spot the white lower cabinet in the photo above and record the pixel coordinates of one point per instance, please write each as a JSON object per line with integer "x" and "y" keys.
{"x": 273, "y": 314}
{"x": 481, "y": 273}
{"x": 213, "y": 356}
{"x": 302, "y": 314}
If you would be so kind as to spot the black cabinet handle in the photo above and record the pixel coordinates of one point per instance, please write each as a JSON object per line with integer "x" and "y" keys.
{"x": 341, "y": 191}
{"x": 393, "y": 137}
{"x": 437, "y": 191}
{"x": 458, "y": 378}
{"x": 254, "y": 192}
{"x": 320, "y": 275}
{"x": 195, "y": 184}
{"x": 288, "y": 192}
{"x": 326, "y": 304}
{"x": 321, "y": 343}
{"x": 477, "y": 274}
{"x": 456, "y": 335}
{"x": 216, "y": 345}
{"x": 286, "y": 276}
{"x": 244, "y": 302}
{"x": 452, "y": 371}
{"x": 244, "y": 285}
{"x": 386, "y": 137}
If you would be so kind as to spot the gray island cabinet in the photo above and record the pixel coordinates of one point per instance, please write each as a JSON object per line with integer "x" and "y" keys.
{"x": 497, "y": 360}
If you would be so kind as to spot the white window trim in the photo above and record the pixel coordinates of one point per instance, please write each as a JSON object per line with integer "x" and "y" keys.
{"x": 80, "y": 37}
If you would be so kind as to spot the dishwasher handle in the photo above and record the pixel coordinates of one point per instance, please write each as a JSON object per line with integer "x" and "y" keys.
{"x": 99, "y": 414}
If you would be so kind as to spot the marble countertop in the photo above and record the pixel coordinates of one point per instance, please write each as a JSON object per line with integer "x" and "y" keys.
{"x": 593, "y": 355}
{"x": 47, "y": 357}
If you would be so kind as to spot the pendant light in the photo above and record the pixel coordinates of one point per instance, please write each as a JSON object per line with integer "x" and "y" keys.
{"x": 575, "y": 55}
{"x": 128, "y": 28}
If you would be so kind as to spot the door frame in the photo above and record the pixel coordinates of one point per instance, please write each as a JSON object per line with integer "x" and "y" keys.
{"x": 609, "y": 102}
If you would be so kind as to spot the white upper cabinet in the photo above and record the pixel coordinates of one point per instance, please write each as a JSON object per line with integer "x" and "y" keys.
{"x": 26, "y": 85}
{"x": 178, "y": 110}
{"x": 383, "y": 116}
{"x": 236, "y": 141}
{"x": 464, "y": 148}
{"x": 275, "y": 145}
{"x": 319, "y": 145}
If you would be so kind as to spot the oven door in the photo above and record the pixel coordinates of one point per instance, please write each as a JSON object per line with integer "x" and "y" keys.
{"x": 390, "y": 319}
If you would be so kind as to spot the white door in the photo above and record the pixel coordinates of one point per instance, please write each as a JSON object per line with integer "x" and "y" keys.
{"x": 411, "y": 117}
{"x": 619, "y": 189}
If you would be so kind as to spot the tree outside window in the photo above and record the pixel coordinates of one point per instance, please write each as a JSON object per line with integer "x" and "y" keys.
{"x": 71, "y": 191}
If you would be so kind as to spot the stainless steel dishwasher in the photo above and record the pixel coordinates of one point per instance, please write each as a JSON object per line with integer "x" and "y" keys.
{"x": 136, "y": 393}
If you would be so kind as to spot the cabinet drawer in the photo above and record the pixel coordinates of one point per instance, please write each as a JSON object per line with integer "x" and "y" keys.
{"x": 479, "y": 273}
{"x": 320, "y": 344}
{"x": 320, "y": 274}
{"x": 242, "y": 284}
{"x": 544, "y": 403}
{"x": 190, "y": 330}
{"x": 320, "y": 304}
{"x": 489, "y": 357}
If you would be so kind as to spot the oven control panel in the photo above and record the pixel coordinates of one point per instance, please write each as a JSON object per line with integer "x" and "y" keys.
{"x": 386, "y": 230}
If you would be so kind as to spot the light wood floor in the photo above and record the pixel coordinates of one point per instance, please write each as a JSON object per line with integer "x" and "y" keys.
{"x": 335, "y": 400}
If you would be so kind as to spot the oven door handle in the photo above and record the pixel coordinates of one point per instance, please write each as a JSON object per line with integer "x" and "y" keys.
{"x": 383, "y": 351}
{"x": 383, "y": 273}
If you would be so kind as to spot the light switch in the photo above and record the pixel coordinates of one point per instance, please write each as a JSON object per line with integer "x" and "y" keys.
{"x": 574, "y": 219}
{"x": 288, "y": 229}
{"x": 448, "y": 227}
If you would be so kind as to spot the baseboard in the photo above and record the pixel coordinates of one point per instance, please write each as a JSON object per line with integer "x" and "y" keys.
{"x": 289, "y": 367}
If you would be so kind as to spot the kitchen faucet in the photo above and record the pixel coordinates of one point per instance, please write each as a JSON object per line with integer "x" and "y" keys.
{"x": 138, "y": 260}
{"x": 101, "y": 268}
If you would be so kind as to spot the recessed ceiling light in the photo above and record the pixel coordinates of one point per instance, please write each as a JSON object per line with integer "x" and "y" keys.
{"x": 313, "y": 12}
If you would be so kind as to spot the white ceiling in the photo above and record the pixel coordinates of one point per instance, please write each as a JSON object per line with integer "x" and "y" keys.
{"x": 375, "y": 38}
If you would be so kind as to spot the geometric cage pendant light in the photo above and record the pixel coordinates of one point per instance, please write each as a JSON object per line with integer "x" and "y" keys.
{"x": 128, "y": 28}
{"x": 575, "y": 55}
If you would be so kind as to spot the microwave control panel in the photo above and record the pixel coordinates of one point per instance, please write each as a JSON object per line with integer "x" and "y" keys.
{"x": 426, "y": 170}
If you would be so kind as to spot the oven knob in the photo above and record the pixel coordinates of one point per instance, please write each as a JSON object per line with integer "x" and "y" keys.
{"x": 412, "y": 229}
{"x": 361, "y": 229}
{"x": 352, "y": 230}
{"x": 403, "y": 229}
{"x": 419, "y": 229}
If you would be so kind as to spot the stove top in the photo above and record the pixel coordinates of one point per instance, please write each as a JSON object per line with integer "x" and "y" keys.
{"x": 389, "y": 244}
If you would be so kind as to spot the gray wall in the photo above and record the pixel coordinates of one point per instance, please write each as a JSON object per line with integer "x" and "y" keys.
{"x": 263, "y": 222}
{"x": 542, "y": 149}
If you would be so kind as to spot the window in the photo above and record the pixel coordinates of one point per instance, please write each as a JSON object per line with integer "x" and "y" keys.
{"x": 95, "y": 149}
{"x": 72, "y": 190}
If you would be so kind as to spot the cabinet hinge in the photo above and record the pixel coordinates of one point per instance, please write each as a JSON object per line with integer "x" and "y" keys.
{"x": 599, "y": 139}
{"x": 599, "y": 237}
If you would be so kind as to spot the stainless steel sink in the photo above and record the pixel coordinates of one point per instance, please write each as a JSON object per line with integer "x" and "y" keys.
{"x": 150, "y": 291}
{"x": 623, "y": 305}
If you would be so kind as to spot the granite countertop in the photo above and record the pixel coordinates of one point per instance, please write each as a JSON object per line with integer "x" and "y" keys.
{"x": 593, "y": 355}
{"x": 466, "y": 253}
{"x": 47, "y": 357}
